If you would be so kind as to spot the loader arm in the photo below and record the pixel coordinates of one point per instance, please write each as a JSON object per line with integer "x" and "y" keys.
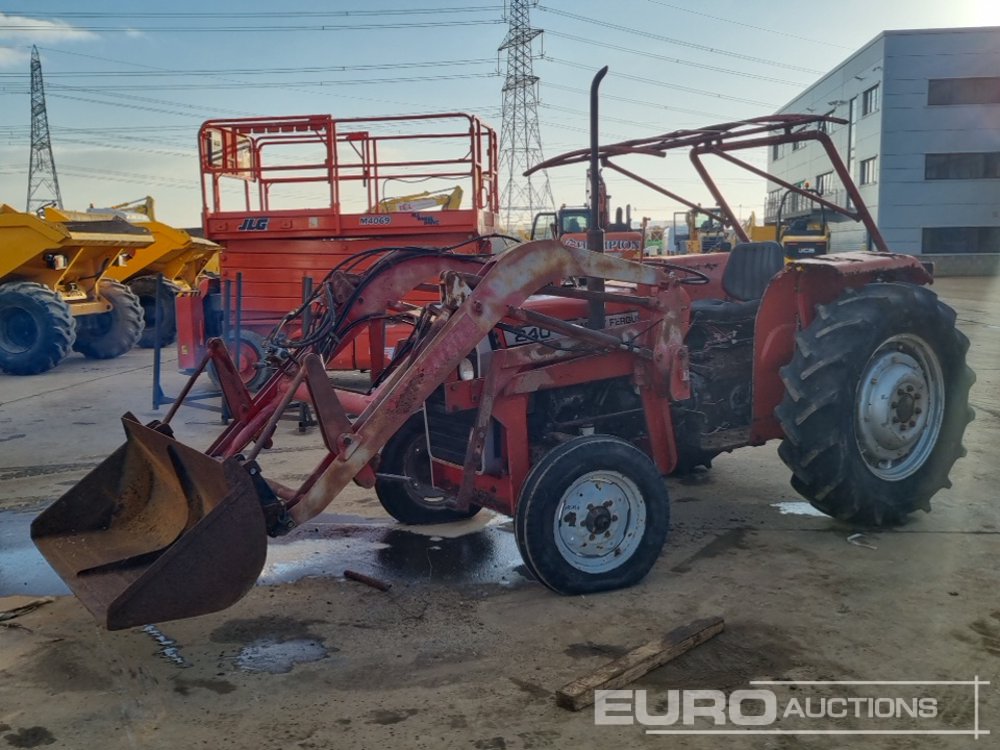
{"x": 161, "y": 531}
{"x": 506, "y": 282}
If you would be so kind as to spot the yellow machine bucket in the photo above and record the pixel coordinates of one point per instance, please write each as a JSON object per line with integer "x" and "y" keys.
{"x": 158, "y": 531}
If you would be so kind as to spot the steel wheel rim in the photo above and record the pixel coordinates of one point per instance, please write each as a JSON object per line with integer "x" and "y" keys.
{"x": 18, "y": 330}
{"x": 416, "y": 467}
{"x": 600, "y": 521}
{"x": 900, "y": 407}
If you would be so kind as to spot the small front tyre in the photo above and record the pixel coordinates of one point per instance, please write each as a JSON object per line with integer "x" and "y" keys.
{"x": 413, "y": 500}
{"x": 593, "y": 515}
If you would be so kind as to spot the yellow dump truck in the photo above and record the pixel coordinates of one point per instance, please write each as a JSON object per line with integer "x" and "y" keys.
{"x": 176, "y": 253}
{"x": 54, "y": 293}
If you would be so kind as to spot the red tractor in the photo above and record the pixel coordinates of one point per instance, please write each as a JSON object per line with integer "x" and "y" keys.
{"x": 849, "y": 360}
{"x": 289, "y": 198}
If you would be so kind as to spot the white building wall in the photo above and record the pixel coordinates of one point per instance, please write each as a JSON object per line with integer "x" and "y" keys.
{"x": 912, "y": 129}
{"x": 904, "y": 130}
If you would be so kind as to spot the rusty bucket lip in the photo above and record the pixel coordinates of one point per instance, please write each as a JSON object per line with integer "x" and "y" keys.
{"x": 214, "y": 560}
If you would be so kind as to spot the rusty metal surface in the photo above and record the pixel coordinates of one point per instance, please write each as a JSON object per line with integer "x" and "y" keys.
{"x": 507, "y": 281}
{"x": 158, "y": 531}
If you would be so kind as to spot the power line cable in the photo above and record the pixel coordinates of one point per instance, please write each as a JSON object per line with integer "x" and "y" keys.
{"x": 121, "y": 15}
{"x": 675, "y": 86}
{"x": 677, "y": 60}
{"x": 745, "y": 25}
{"x": 681, "y": 42}
{"x": 28, "y": 28}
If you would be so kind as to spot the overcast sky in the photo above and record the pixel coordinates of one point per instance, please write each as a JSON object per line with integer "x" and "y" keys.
{"x": 128, "y": 84}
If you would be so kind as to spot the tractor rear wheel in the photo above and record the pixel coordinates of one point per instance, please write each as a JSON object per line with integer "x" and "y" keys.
{"x": 414, "y": 500}
{"x": 876, "y": 403}
{"x": 111, "y": 334}
{"x": 593, "y": 515}
{"x": 36, "y": 328}
{"x": 157, "y": 307}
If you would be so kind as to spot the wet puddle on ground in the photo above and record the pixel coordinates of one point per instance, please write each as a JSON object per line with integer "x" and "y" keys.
{"x": 23, "y": 570}
{"x": 279, "y": 657}
{"x": 477, "y": 551}
{"x": 798, "y": 508}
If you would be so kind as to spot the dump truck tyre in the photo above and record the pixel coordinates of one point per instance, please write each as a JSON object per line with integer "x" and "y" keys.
{"x": 36, "y": 328}
{"x": 158, "y": 304}
{"x": 876, "y": 402}
{"x": 111, "y": 334}
{"x": 406, "y": 455}
{"x": 593, "y": 515}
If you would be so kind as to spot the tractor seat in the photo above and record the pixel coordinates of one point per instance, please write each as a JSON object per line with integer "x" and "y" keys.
{"x": 750, "y": 269}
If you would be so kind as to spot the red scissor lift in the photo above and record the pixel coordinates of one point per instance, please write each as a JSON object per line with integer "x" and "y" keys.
{"x": 290, "y": 198}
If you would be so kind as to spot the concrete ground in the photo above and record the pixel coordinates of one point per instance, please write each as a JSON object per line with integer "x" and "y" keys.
{"x": 464, "y": 650}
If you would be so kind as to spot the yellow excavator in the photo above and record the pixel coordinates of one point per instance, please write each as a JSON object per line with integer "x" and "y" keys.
{"x": 445, "y": 199}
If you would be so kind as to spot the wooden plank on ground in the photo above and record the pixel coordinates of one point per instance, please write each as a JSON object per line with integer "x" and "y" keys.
{"x": 580, "y": 692}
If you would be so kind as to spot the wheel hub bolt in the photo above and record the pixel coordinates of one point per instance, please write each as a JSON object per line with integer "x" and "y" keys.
{"x": 913, "y": 423}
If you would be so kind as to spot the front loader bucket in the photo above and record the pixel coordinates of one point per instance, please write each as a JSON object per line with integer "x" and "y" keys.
{"x": 158, "y": 531}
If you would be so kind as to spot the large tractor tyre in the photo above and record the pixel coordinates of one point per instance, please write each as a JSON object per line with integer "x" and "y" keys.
{"x": 593, "y": 515}
{"x": 876, "y": 403}
{"x": 36, "y": 328}
{"x": 158, "y": 306}
{"x": 253, "y": 368}
{"x": 414, "y": 500}
{"x": 111, "y": 334}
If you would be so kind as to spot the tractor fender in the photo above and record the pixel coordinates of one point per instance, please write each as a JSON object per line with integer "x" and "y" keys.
{"x": 789, "y": 305}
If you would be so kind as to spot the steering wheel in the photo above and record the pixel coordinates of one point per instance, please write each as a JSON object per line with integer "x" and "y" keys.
{"x": 694, "y": 276}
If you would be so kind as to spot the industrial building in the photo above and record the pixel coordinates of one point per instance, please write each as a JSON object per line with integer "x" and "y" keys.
{"x": 922, "y": 141}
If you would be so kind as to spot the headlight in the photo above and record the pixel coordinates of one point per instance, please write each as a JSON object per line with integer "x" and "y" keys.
{"x": 466, "y": 371}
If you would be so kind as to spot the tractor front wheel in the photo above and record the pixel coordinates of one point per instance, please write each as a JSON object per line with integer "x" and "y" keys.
{"x": 876, "y": 403}
{"x": 36, "y": 328}
{"x": 110, "y": 334}
{"x": 593, "y": 515}
{"x": 404, "y": 486}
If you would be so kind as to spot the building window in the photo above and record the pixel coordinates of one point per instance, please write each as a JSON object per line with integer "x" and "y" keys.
{"x": 776, "y": 151}
{"x": 870, "y": 100}
{"x": 869, "y": 171}
{"x": 824, "y": 183}
{"x": 826, "y": 127}
{"x": 796, "y": 145}
{"x": 973, "y": 166}
{"x": 944, "y": 240}
{"x": 852, "y": 132}
{"x": 963, "y": 91}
